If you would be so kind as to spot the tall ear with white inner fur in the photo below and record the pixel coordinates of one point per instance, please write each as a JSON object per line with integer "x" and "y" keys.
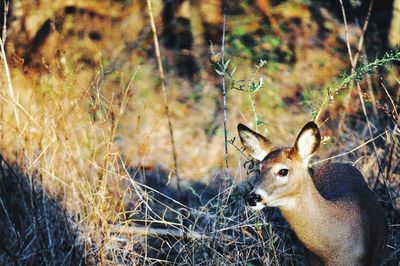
{"x": 255, "y": 144}
{"x": 307, "y": 142}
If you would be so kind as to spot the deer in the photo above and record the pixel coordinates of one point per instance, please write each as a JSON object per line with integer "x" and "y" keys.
{"x": 332, "y": 211}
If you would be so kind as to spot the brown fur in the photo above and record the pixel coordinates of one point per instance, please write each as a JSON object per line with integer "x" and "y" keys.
{"x": 333, "y": 211}
{"x": 336, "y": 215}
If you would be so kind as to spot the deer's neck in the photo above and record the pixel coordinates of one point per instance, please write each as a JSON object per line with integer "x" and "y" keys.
{"x": 310, "y": 217}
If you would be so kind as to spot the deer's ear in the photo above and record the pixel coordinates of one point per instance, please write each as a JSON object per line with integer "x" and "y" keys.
{"x": 307, "y": 142}
{"x": 255, "y": 144}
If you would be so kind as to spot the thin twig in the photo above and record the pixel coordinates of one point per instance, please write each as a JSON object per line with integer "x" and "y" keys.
{"x": 354, "y": 60}
{"x": 364, "y": 109}
{"x": 165, "y": 94}
{"x": 6, "y": 68}
{"x": 346, "y": 30}
{"x": 224, "y": 94}
{"x": 395, "y": 113}
{"x": 4, "y": 33}
{"x": 146, "y": 231}
{"x": 364, "y": 29}
{"x": 348, "y": 152}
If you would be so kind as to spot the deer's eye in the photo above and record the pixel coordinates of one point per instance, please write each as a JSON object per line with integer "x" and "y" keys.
{"x": 283, "y": 172}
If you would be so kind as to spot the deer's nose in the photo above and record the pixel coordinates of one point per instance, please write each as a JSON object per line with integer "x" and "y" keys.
{"x": 253, "y": 199}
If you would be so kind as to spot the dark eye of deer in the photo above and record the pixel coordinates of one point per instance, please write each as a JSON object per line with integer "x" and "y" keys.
{"x": 283, "y": 172}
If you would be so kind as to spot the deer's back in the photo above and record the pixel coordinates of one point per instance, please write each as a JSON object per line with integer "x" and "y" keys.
{"x": 338, "y": 181}
{"x": 343, "y": 182}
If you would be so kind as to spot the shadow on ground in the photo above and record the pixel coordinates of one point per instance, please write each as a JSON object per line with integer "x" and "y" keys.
{"x": 34, "y": 229}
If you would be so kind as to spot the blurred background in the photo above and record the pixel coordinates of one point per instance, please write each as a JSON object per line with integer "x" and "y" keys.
{"x": 83, "y": 114}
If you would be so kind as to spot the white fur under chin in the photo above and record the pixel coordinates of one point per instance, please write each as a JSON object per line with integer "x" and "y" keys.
{"x": 282, "y": 203}
{"x": 286, "y": 203}
{"x": 258, "y": 207}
